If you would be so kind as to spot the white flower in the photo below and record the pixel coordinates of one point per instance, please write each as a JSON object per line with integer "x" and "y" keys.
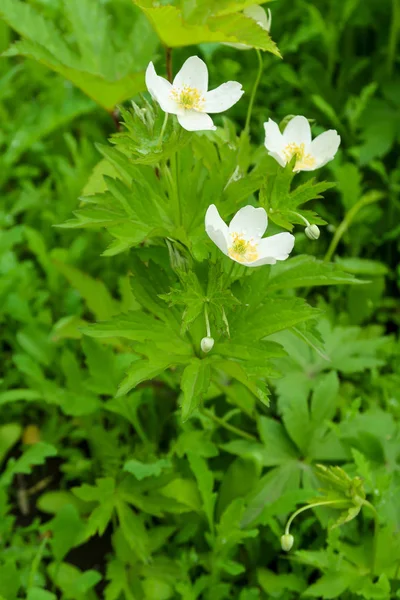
{"x": 260, "y": 16}
{"x": 296, "y": 141}
{"x": 242, "y": 241}
{"x": 188, "y": 98}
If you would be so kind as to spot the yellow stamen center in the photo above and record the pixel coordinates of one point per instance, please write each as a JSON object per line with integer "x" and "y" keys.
{"x": 302, "y": 159}
{"x": 188, "y": 98}
{"x": 241, "y": 250}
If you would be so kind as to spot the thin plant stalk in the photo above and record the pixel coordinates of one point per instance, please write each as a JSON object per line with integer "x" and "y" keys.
{"x": 254, "y": 91}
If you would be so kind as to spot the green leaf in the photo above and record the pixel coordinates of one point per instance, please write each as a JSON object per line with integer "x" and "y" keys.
{"x": 74, "y": 584}
{"x": 330, "y": 585}
{"x": 272, "y": 316}
{"x": 276, "y": 585}
{"x": 34, "y": 455}
{"x": 10, "y": 580}
{"x": 307, "y": 271}
{"x": 279, "y": 449}
{"x": 100, "y": 66}
{"x": 36, "y": 593}
{"x": 205, "y": 481}
{"x": 104, "y": 494}
{"x": 93, "y": 291}
{"x": 195, "y": 383}
{"x": 67, "y": 529}
{"x": 134, "y": 531}
{"x": 323, "y": 401}
{"x": 9, "y": 435}
{"x": 142, "y": 470}
{"x": 234, "y": 28}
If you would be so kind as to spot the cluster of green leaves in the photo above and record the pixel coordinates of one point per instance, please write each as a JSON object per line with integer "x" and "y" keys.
{"x": 134, "y": 465}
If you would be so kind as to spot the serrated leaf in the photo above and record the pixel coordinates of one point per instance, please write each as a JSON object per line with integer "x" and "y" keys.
{"x": 142, "y": 470}
{"x": 307, "y": 271}
{"x": 272, "y": 316}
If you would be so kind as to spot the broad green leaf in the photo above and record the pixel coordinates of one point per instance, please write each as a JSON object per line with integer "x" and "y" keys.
{"x": 235, "y": 27}
{"x": 195, "y": 383}
{"x": 40, "y": 594}
{"x": 10, "y": 579}
{"x": 67, "y": 529}
{"x": 102, "y": 67}
{"x": 307, "y": 271}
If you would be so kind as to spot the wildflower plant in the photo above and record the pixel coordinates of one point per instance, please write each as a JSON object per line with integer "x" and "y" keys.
{"x": 197, "y": 382}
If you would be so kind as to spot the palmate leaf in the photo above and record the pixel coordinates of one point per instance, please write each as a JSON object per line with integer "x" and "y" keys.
{"x": 234, "y": 27}
{"x": 103, "y": 68}
{"x": 281, "y": 202}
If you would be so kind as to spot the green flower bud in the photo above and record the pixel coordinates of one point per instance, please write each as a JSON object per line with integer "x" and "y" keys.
{"x": 312, "y": 232}
{"x": 207, "y": 344}
{"x": 287, "y": 541}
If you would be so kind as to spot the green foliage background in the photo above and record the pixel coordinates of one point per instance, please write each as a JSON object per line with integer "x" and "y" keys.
{"x": 177, "y": 483}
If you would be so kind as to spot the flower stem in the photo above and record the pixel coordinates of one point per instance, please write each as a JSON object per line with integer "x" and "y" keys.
{"x": 160, "y": 139}
{"x": 322, "y": 503}
{"x": 168, "y": 62}
{"x": 376, "y": 529}
{"x": 36, "y": 562}
{"x": 293, "y": 212}
{"x": 345, "y": 224}
{"x": 254, "y": 91}
{"x": 232, "y": 428}
{"x": 207, "y": 321}
{"x": 175, "y": 178}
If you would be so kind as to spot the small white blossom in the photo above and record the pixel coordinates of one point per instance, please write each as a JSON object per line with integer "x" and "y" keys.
{"x": 207, "y": 344}
{"x": 260, "y": 16}
{"x": 242, "y": 241}
{"x": 188, "y": 98}
{"x": 296, "y": 141}
{"x": 312, "y": 232}
{"x": 287, "y": 542}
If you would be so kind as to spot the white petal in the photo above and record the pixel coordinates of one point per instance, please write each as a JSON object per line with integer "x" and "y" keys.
{"x": 276, "y": 247}
{"x": 274, "y": 141}
{"x": 280, "y": 158}
{"x": 298, "y": 131}
{"x": 223, "y": 97}
{"x": 325, "y": 146}
{"x": 258, "y": 14}
{"x": 250, "y": 222}
{"x": 192, "y": 120}
{"x": 193, "y": 73}
{"x": 217, "y": 229}
{"x": 160, "y": 90}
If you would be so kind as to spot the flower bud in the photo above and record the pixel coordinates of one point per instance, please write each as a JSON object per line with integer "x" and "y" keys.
{"x": 287, "y": 542}
{"x": 207, "y": 344}
{"x": 312, "y": 232}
